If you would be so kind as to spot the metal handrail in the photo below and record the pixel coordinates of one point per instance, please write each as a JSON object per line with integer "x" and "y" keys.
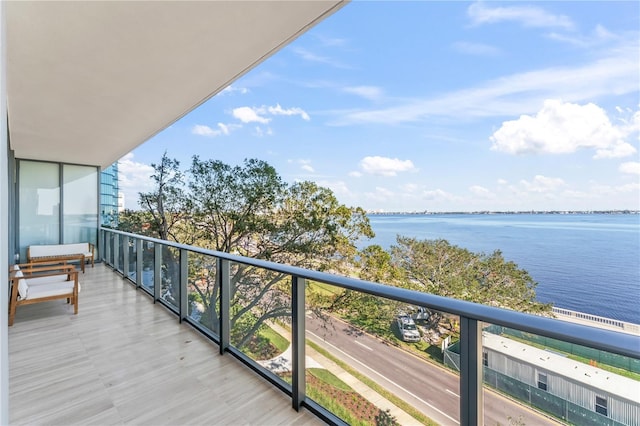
{"x": 606, "y": 340}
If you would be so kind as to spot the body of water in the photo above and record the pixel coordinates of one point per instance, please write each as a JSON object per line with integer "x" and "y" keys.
{"x": 584, "y": 262}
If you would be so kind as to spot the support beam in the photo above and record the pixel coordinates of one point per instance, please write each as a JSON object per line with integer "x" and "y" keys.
{"x": 471, "y": 404}
{"x": 298, "y": 341}
{"x": 224, "y": 281}
{"x": 184, "y": 278}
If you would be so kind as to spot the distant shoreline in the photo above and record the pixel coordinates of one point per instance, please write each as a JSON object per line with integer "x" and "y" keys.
{"x": 558, "y": 212}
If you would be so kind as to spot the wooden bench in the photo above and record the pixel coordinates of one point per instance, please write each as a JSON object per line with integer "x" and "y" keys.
{"x": 81, "y": 252}
{"x": 32, "y": 283}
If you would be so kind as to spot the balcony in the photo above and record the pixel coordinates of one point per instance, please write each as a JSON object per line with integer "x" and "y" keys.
{"x": 125, "y": 359}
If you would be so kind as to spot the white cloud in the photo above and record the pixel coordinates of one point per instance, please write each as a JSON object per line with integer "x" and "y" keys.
{"x": 543, "y": 184}
{"x": 312, "y": 57}
{"x": 479, "y": 49}
{"x": 249, "y": 115}
{"x": 368, "y": 92}
{"x": 631, "y": 167}
{"x": 257, "y": 114}
{"x": 338, "y": 187}
{"x": 438, "y": 195}
{"x": 523, "y": 93}
{"x": 260, "y": 132}
{"x": 385, "y": 166}
{"x": 599, "y": 36}
{"x": 502, "y": 181}
{"x": 278, "y": 110}
{"x": 133, "y": 178}
{"x": 331, "y": 41}
{"x": 527, "y": 16}
{"x": 355, "y": 174}
{"x": 560, "y": 128}
{"x": 380, "y": 194}
{"x": 232, "y": 89}
{"x": 304, "y": 165}
{"x": 223, "y": 129}
{"x": 608, "y": 190}
{"x": 410, "y": 187}
{"x": 481, "y": 191}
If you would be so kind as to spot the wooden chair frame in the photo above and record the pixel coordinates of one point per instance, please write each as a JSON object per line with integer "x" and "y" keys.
{"x": 30, "y": 271}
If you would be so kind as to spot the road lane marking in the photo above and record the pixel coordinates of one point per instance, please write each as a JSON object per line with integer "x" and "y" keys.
{"x": 452, "y": 393}
{"x": 390, "y": 381}
{"x": 363, "y": 345}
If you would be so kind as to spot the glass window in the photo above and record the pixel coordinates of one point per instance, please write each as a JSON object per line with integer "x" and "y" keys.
{"x": 485, "y": 359}
{"x": 39, "y": 204}
{"x": 542, "y": 381}
{"x": 80, "y": 203}
{"x": 601, "y": 405}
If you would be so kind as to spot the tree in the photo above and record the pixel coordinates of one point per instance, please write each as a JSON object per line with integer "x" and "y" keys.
{"x": 136, "y": 222}
{"x": 248, "y": 210}
{"x": 372, "y": 313}
{"x": 165, "y": 202}
{"x": 438, "y": 267}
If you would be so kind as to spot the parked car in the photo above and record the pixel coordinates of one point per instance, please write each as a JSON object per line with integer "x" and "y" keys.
{"x": 407, "y": 328}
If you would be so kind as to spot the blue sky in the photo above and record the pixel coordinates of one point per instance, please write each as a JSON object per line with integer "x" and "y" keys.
{"x": 438, "y": 106}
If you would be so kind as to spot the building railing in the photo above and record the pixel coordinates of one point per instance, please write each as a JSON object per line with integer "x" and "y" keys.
{"x": 167, "y": 271}
{"x": 609, "y": 322}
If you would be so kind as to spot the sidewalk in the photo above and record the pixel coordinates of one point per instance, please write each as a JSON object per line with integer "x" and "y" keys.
{"x": 314, "y": 359}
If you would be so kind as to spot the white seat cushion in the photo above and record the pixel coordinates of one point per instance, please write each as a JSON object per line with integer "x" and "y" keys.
{"x": 51, "y": 289}
{"x": 46, "y": 280}
{"x": 23, "y": 287}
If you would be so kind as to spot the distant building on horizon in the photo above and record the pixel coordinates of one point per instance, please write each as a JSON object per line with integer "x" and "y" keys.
{"x": 110, "y": 196}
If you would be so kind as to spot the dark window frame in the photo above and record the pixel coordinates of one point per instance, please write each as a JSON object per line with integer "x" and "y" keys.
{"x": 542, "y": 381}
{"x": 601, "y": 405}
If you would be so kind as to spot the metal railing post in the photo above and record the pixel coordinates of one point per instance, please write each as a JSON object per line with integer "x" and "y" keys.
{"x": 184, "y": 277}
{"x": 157, "y": 271}
{"x": 139, "y": 259}
{"x": 224, "y": 282}
{"x": 298, "y": 341}
{"x": 471, "y": 404}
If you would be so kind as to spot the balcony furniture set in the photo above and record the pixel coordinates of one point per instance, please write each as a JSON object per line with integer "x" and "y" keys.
{"x": 34, "y": 283}
{"x": 80, "y": 252}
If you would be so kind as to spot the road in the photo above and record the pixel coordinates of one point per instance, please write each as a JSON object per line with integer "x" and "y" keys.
{"x": 429, "y": 388}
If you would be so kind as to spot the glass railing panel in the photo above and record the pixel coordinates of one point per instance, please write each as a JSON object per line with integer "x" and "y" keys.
{"x": 121, "y": 251}
{"x": 111, "y": 238}
{"x": 170, "y": 276}
{"x": 260, "y": 314}
{"x": 371, "y": 360}
{"x": 148, "y": 258}
{"x": 567, "y": 382}
{"x": 133, "y": 260}
{"x": 204, "y": 292}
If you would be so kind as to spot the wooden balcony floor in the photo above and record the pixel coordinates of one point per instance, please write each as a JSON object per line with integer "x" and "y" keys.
{"x": 124, "y": 360}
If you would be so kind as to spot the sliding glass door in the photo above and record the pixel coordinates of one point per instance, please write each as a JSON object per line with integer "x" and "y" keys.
{"x": 57, "y": 203}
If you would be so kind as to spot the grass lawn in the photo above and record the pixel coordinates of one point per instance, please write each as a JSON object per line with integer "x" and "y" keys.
{"x": 276, "y": 339}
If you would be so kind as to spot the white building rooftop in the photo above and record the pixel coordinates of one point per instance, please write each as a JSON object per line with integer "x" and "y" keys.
{"x": 577, "y": 371}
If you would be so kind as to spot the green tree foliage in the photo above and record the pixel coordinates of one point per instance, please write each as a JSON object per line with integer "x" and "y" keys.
{"x": 165, "y": 202}
{"x": 136, "y": 222}
{"x": 248, "y": 210}
{"x": 438, "y": 267}
{"x": 372, "y": 313}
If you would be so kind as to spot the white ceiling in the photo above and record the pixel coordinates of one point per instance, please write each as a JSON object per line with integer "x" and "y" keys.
{"x": 88, "y": 81}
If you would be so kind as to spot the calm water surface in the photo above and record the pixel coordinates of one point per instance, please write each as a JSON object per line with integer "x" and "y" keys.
{"x": 585, "y": 262}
